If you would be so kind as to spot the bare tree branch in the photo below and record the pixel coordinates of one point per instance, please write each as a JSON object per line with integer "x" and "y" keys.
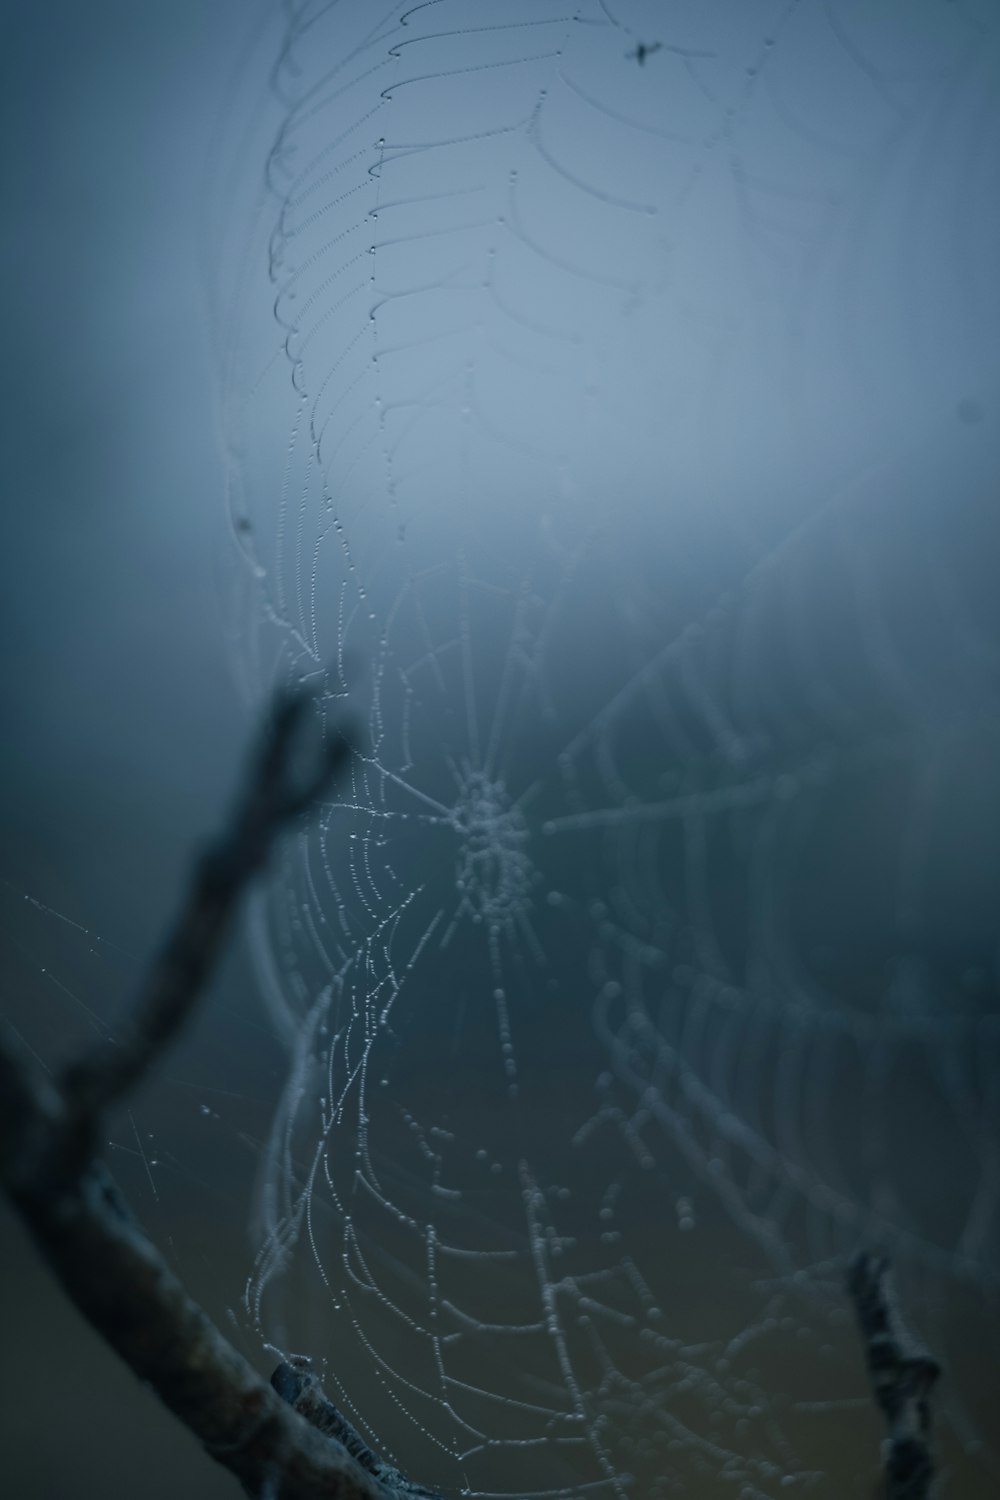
{"x": 296, "y": 1384}
{"x": 902, "y": 1376}
{"x": 173, "y": 988}
{"x": 122, "y": 1285}
{"x": 64, "y": 1194}
{"x": 286, "y": 1440}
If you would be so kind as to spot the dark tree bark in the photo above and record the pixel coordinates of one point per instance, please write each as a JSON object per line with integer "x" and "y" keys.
{"x": 903, "y": 1378}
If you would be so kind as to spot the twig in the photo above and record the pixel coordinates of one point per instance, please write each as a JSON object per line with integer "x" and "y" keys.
{"x": 287, "y": 1440}
{"x": 296, "y": 1384}
{"x": 118, "y": 1280}
{"x": 902, "y": 1378}
{"x": 270, "y": 801}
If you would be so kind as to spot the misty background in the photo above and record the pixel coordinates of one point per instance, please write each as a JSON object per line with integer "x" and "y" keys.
{"x": 122, "y": 729}
{"x": 125, "y": 679}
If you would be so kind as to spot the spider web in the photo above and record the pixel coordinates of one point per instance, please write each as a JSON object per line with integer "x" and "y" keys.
{"x": 572, "y": 360}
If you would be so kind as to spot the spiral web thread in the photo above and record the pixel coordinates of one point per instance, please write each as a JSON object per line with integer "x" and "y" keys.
{"x": 646, "y": 965}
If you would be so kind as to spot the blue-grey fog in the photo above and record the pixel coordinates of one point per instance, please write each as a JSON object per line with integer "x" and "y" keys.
{"x": 605, "y": 414}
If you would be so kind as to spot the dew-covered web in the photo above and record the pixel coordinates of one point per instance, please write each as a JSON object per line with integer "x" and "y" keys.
{"x": 609, "y": 398}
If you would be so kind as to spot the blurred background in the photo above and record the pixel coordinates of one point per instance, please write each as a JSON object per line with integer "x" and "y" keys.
{"x": 122, "y": 729}
{"x": 802, "y": 336}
